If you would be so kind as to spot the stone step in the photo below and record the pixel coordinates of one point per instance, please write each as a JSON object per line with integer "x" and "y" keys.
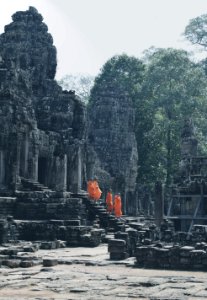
{"x": 106, "y": 220}
{"x": 34, "y": 194}
{"x": 32, "y": 185}
{"x": 7, "y": 199}
{"x": 7, "y": 206}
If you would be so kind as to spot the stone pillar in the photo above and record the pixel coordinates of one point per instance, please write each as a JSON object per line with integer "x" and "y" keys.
{"x": 16, "y": 167}
{"x": 91, "y": 159}
{"x": 159, "y": 203}
{"x": 75, "y": 171}
{"x": 79, "y": 171}
{"x": 136, "y": 203}
{"x": 33, "y": 165}
{"x": 61, "y": 173}
{"x": 125, "y": 208}
{"x": 2, "y": 167}
{"x": 24, "y": 157}
{"x": 79, "y": 175}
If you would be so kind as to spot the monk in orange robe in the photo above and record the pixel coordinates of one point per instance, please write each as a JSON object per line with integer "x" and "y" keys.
{"x": 117, "y": 206}
{"x": 109, "y": 202}
{"x": 90, "y": 188}
{"x": 94, "y": 190}
{"x": 97, "y": 191}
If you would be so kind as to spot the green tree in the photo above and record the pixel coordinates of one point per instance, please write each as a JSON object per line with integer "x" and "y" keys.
{"x": 122, "y": 73}
{"x": 196, "y": 31}
{"x": 175, "y": 87}
{"x": 126, "y": 73}
{"x": 81, "y": 83}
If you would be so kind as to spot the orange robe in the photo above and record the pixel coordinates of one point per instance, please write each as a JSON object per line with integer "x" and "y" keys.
{"x": 90, "y": 188}
{"x": 97, "y": 191}
{"x": 94, "y": 190}
{"x": 109, "y": 202}
{"x": 117, "y": 206}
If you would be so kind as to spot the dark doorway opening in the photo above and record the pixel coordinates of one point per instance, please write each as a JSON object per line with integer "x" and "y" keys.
{"x": 42, "y": 169}
{"x": 177, "y": 225}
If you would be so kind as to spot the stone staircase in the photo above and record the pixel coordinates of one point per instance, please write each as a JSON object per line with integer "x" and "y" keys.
{"x": 124, "y": 232}
{"x": 107, "y": 221}
{"x": 48, "y": 216}
{"x": 30, "y": 185}
{"x": 7, "y": 206}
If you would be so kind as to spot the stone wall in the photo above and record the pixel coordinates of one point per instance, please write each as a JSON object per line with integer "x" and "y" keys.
{"x": 48, "y": 205}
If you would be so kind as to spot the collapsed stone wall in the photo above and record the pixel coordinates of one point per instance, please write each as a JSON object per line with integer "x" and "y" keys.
{"x": 42, "y": 127}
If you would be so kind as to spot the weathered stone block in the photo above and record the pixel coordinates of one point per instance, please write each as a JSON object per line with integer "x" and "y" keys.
{"x": 26, "y": 264}
{"x": 186, "y": 251}
{"x": 11, "y": 263}
{"x": 48, "y": 245}
{"x": 50, "y": 262}
{"x": 32, "y": 248}
{"x": 118, "y": 256}
{"x": 117, "y": 249}
{"x": 185, "y": 261}
{"x": 117, "y": 243}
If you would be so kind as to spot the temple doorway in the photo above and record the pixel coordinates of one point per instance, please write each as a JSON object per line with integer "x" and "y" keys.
{"x": 42, "y": 170}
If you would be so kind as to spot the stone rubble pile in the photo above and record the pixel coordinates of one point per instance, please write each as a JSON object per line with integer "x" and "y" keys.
{"x": 172, "y": 257}
{"x": 164, "y": 249}
{"x": 20, "y": 255}
{"x": 152, "y": 248}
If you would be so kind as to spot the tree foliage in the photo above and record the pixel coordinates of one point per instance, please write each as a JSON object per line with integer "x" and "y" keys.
{"x": 175, "y": 87}
{"x": 196, "y": 31}
{"x": 122, "y": 73}
{"x": 166, "y": 88}
{"x": 81, "y": 83}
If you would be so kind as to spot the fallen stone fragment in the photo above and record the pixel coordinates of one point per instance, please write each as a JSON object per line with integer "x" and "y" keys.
{"x": 50, "y": 262}
{"x": 26, "y": 264}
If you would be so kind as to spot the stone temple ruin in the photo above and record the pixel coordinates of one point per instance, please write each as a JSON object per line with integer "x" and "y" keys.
{"x": 42, "y": 127}
{"x": 188, "y": 195}
{"x": 49, "y": 149}
{"x": 45, "y": 160}
{"x": 42, "y": 135}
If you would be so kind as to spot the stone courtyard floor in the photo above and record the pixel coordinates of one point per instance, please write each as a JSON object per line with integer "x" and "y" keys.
{"x": 87, "y": 273}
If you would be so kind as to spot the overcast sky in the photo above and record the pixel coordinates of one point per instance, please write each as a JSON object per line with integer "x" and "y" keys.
{"x": 87, "y": 33}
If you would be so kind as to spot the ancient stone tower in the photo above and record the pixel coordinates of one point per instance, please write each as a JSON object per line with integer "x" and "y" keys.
{"x": 111, "y": 133}
{"x": 42, "y": 128}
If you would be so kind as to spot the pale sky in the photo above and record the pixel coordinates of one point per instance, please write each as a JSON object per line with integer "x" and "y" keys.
{"x": 87, "y": 33}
